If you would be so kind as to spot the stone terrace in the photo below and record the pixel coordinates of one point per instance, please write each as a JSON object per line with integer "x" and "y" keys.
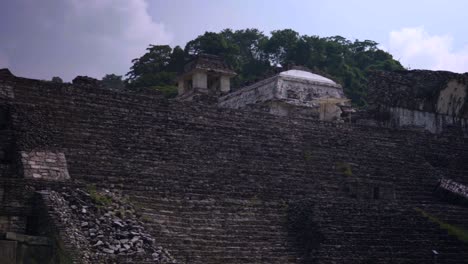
{"x": 223, "y": 186}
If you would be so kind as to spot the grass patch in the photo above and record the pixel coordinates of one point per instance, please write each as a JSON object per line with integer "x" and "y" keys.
{"x": 255, "y": 200}
{"x": 169, "y": 91}
{"x": 459, "y": 232}
{"x": 146, "y": 218}
{"x": 98, "y": 198}
{"x": 344, "y": 168}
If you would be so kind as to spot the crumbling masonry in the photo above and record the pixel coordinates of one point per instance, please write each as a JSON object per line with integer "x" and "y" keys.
{"x": 214, "y": 185}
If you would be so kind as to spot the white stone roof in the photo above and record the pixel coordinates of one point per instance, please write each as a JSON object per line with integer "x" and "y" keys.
{"x": 306, "y": 75}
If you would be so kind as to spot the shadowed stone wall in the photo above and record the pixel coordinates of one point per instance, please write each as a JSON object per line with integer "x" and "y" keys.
{"x": 218, "y": 185}
{"x": 430, "y": 100}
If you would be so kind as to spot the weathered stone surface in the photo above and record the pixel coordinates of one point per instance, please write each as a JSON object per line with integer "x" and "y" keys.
{"x": 31, "y": 240}
{"x": 217, "y": 185}
{"x": 291, "y": 94}
{"x": 430, "y": 100}
{"x": 12, "y": 223}
{"x": 433, "y": 122}
{"x": 8, "y": 252}
{"x": 121, "y": 232}
{"x": 6, "y": 92}
{"x": 44, "y": 165}
{"x": 455, "y": 188}
{"x": 205, "y": 74}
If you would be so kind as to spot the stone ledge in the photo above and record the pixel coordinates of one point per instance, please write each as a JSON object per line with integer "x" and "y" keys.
{"x": 31, "y": 240}
{"x": 454, "y": 188}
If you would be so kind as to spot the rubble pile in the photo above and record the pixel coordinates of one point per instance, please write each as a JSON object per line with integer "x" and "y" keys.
{"x": 110, "y": 224}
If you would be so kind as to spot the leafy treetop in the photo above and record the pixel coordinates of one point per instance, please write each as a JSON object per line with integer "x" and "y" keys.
{"x": 253, "y": 55}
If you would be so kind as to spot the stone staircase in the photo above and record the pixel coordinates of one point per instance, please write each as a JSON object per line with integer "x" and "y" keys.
{"x": 220, "y": 230}
{"x": 216, "y": 185}
{"x": 389, "y": 233}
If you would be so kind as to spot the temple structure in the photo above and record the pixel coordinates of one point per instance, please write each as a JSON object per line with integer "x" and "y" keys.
{"x": 206, "y": 74}
{"x": 96, "y": 175}
{"x": 294, "y": 92}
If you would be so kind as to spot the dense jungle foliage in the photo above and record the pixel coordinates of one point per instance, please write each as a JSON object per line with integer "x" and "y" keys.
{"x": 254, "y": 55}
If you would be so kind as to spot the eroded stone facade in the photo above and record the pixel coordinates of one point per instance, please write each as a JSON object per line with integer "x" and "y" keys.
{"x": 45, "y": 165}
{"x": 286, "y": 94}
{"x": 219, "y": 185}
{"x": 419, "y": 99}
{"x": 205, "y": 74}
{"x": 6, "y": 92}
{"x": 454, "y": 187}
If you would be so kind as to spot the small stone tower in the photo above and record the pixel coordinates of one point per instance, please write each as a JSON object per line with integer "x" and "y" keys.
{"x": 205, "y": 74}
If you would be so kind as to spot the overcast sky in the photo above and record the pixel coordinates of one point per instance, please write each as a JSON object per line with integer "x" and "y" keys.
{"x": 46, "y": 38}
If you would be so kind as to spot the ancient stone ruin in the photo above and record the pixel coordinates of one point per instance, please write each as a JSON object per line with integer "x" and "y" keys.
{"x": 425, "y": 100}
{"x": 95, "y": 175}
{"x": 205, "y": 74}
{"x": 294, "y": 92}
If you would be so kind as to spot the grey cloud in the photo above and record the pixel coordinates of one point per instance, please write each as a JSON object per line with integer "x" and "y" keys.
{"x": 77, "y": 37}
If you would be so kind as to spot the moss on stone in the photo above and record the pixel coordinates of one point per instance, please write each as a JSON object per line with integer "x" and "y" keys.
{"x": 459, "y": 232}
{"x": 344, "y": 168}
{"x": 98, "y": 198}
{"x": 307, "y": 155}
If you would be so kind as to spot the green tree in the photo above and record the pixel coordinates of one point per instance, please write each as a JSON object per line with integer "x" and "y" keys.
{"x": 254, "y": 56}
{"x": 157, "y": 69}
{"x": 282, "y": 46}
{"x": 176, "y": 60}
{"x": 212, "y": 43}
{"x": 216, "y": 44}
{"x": 251, "y": 62}
{"x": 146, "y": 68}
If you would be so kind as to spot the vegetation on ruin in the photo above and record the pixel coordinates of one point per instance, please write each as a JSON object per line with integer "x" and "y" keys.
{"x": 344, "y": 168}
{"x": 98, "y": 198}
{"x": 146, "y": 218}
{"x": 254, "y": 56}
{"x": 459, "y": 232}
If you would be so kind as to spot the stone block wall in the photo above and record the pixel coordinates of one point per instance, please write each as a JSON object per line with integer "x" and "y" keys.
{"x": 454, "y": 188}
{"x": 288, "y": 96}
{"x": 6, "y": 92}
{"x": 428, "y": 91}
{"x": 15, "y": 204}
{"x": 12, "y": 224}
{"x": 259, "y": 92}
{"x": 217, "y": 185}
{"x": 8, "y": 252}
{"x": 420, "y": 99}
{"x": 44, "y": 165}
